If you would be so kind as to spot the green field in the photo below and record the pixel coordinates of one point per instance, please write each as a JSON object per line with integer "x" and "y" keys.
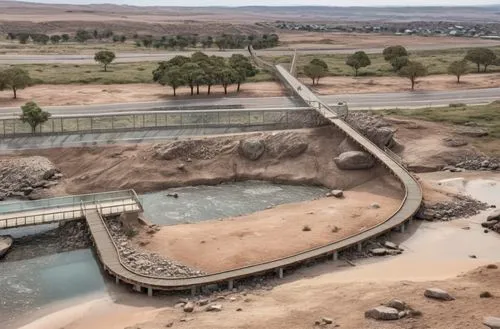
{"x": 436, "y": 61}
{"x": 485, "y": 116}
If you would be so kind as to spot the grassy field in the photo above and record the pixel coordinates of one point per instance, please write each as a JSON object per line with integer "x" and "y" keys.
{"x": 119, "y": 73}
{"x": 436, "y": 61}
{"x": 485, "y": 116}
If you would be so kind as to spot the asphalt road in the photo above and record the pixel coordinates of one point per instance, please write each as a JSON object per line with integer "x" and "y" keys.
{"x": 355, "y": 102}
{"x": 153, "y": 56}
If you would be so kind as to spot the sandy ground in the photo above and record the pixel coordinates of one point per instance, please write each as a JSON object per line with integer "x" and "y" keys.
{"x": 275, "y": 233}
{"x": 102, "y": 94}
{"x": 434, "y": 257}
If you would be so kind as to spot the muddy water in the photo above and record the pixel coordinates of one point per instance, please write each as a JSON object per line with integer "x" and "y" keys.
{"x": 438, "y": 250}
{"x": 30, "y": 284}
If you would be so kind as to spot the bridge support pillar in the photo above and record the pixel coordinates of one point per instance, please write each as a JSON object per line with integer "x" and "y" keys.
{"x": 410, "y": 221}
{"x": 230, "y": 285}
{"x": 117, "y": 280}
{"x": 280, "y": 272}
{"x": 360, "y": 247}
{"x": 137, "y": 288}
{"x": 150, "y": 292}
{"x": 335, "y": 256}
{"x": 402, "y": 228}
{"x": 194, "y": 290}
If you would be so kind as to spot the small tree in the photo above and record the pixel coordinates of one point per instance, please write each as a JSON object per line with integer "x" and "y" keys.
{"x": 33, "y": 115}
{"x": 358, "y": 60}
{"x": 105, "y": 57}
{"x": 412, "y": 71}
{"x": 398, "y": 62}
{"x": 65, "y": 37}
{"x": 481, "y": 56}
{"x": 227, "y": 76}
{"x": 55, "y": 38}
{"x": 393, "y": 52}
{"x": 172, "y": 77}
{"x": 14, "y": 78}
{"x": 458, "y": 68}
{"x": 315, "y": 70}
{"x": 243, "y": 68}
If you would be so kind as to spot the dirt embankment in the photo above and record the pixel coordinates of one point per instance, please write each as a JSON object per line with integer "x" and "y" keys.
{"x": 206, "y": 160}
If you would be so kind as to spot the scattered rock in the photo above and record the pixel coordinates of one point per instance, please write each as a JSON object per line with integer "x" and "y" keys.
{"x": 5, "y": 244}
{"x": 189, "y": 307}
{"x": 337, "y": 193}
{"x": 374, "y": 205}
{"x": 472, "y": 131}
{"x": 397, "y": 304}
{"x": 460, "y": 206}
{"x": 492, "y": 267}
{"x": 173, "y": 195}
{"x": 492, "y": 322}
{"x": 203, "y": 302}
{"x": 478, "y": 162}
{"x": 169, "y": 325}
{"x": 382, "y": 313}
{"x": 391, "y": 245}
{"x": 214, "y": 308}
{"x": 454, "y": 142}
{"x": 251, "y": 148}
{"x": 378, "y": 252}
{"x": 326, "y": 320}
{"x": 306, "y": 228}
{"x": 437, "y": 293}
{"x": 354, "y": 160}
{"x": 485, "y": 294}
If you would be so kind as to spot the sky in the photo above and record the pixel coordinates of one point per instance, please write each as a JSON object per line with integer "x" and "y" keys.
{"x": 232, "y": 3}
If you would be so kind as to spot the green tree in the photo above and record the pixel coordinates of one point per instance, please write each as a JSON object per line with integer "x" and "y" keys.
{"x": 458, "y": 68}
{"x": 173, "y": 77}
{"x": 55, "y": 38}
{"x": 481, "y": 56}
{"x": 105, "y": 57}
{"x": 14, "y": 78}
{"x": 358, "y": 60}
{"x": 398, "y": 62}
{"x": 393, "y": 52}
{"x": 83, "y": 35}
{"x": 193, "y": 75}
{"x": 315, "y": 70}
{"x": 412, "y": 71}
{"x": 226, "y": 76}
{"x": 65, "y": 37}
{"x": 243, "y": 68}
{"x": 33, "y": 115}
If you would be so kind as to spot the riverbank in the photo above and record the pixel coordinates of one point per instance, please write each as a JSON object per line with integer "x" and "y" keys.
{"x": 434, "y": 251}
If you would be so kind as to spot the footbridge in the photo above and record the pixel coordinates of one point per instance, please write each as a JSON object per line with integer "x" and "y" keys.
{"x": 112, "y": 261}
{"x": 54, "y": 210}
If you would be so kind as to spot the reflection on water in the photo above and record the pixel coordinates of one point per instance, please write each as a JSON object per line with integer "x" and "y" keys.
{"x": 30, "y": 284}
{"x": 226, "y": 200}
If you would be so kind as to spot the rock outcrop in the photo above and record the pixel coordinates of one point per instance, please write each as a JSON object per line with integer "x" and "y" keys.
{"x": 251, "y": 148}
{"x": 492, "y": 322}
{"x": 374, "y": 127}
{"x": 354, "y": 160}
{"x": 460, "y": 206}
{"x": 5, "y": 244}
{"x": 285, "y": 144}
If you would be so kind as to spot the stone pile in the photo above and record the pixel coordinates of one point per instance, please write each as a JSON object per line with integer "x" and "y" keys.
{"x": 20, "y": 177}
{"x": 493, "y": 221}
{"x": 476, "y": 163}
{"x": 461, "y": 206}
{"x": 201, "y": 149}
{"x": 146, "y": 262}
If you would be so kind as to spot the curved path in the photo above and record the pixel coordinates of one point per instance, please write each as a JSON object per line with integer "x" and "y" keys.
{"x": 110, "y": 257}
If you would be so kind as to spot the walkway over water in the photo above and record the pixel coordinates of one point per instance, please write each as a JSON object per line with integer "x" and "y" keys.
{"x": 46, "y": 211}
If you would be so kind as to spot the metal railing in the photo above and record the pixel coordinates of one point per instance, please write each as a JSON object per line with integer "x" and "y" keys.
{"x": 144, "y": 120}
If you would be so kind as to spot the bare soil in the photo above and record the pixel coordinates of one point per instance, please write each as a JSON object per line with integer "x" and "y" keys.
{"x": 220, "y": 245}
{"x": 46, "y": 95}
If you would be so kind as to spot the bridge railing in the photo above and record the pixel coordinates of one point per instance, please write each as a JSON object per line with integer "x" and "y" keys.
{"x": 66, "y": 201}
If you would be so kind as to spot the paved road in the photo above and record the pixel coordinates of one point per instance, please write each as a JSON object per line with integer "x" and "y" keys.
{"x": 355, "y": 102}
{"x": 162, "y": 55}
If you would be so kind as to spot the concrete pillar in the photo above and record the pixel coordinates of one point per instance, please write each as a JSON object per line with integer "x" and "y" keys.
{"x": 150, "y": 292}
{"x": 117, "y": 280}
{"x": 360, "y": 247}
{"x": 280, "y": 272}
{"x": 137, "y": 288}
{"x": 335, "y": 256}
{"x": 230, "y": 284}
{"x": 193, "y": 291}
{"x": 410, "y": 221}
{"x": 402, "y": 228}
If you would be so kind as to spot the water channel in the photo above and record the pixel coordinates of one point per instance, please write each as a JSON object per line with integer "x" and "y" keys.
{"x": 29, "y": 284}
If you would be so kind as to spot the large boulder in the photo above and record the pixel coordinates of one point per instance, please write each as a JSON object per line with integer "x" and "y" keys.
{"x": 348, "y": 145}
{"x": 382, "y": 313}
{"x": 494, "y": 215}
{"x": 5, "y": 244}
{"x": 472, "y": 131}
{"x": 354, "y": 160}
{"x": 286, "y": 144}
{"x": 437, "y": 293}
{"x": 492, "y": 322}
{"x": 251, "y": 148}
